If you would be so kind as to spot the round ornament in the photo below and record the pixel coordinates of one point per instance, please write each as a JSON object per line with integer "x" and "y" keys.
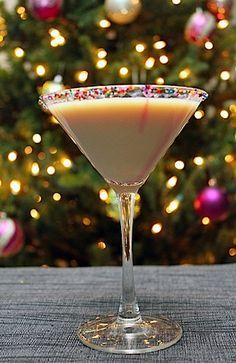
{"x": 52, "y": 86}
{"x": 220, "y": 8}
{"x": 122, "y": 11}
{"x": 212, "y": 202}
{"x": 11, "y": 236}
{"x": 200, "y": 27}
{"x": 45, "y": 9}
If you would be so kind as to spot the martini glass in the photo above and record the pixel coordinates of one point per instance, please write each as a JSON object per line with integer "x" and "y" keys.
{"x": 124, "y": 130}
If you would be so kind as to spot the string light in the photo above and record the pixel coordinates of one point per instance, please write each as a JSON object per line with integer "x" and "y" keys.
{"x": 41, "y": 155}
{"x": 171, "y": 182}
{"x": 21, "y": 11}
{"x": 185, "y": 73}
{"x": 176, "y": 2}
{"x": 232, "y": 252}
{"x": 179, "y": 164}
{"x": 198, "y": 160}
{"x": 140, "y": 47}
{"x": 172, "y": 206}
{"x": 19, "y": 52}
{"x": 38, "y": 198}
{"x": 160, "y": 44}
{"x": 58, "y": 41}
{"x": 81, "y": 76}
{"x": 208, "y": 45}
{"x": 222, "y": 24}
{"x": 12, "y": 156}
{"x": 206, "y": 221}
{"x": 36, "y": 138}
{"x": 56, "y": 196}
{"x": 54, "y": 32}
{"x": 199, "y": 114}
{"x": 149, "y": 63}
{"x": 28, "y": 150}
{"x": 67, "y": 163}
{"x": 15, "y": 186}
{"x": 156, "y": 228}
{"x": 34, "y": 214}
{"x": 104, "y": 23}
{"x": 40, "y": 70}
{"x": 101, "y": 245}
{"x": 160, "y": 80}
{"x": 224, "y": 114}
{"x": 0, "y": 183}
{"x": 212, "y": 182}
{"x": 229, "y": 158}
{"x": 225, "y": 75}
{"x": 35, "y": 169}
{"x": 51, "y": 170}
{"x": 103, "y": 195}
{"x": 164, "y": 59}
{"x": 123, "y": 71}
{"x": 101, "y": 63}
{"x": 53, "y": 150}
{"x": 86, "y": 221}
{"x": 101, "y": 53}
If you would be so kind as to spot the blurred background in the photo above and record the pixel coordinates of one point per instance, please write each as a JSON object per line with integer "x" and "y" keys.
{"x": 55, "y": 208}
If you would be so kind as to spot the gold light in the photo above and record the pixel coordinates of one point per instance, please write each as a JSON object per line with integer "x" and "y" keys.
{"x": 28, "y": 150}
{"x": 140, "y": 47}
{"x": 101, "y": 63}
{"x": 104, "y": 23}
{"x": 51, "y": 170}
{"x": 101, "y": 245}
{"x": 179, "y": 164}
{"x": 206, "y": 221}
{"x": 38, "y": 198}
{"x": 67, "y": 163}
{"x": 12, "y": 156}
{"x": 164, "y": 59}
{"x": 160, "y": 44}
{"x": 229, "y": 158}
{"x": 232, "y": 251}
{"x": 156, "y": 228}
{"x": 35, "y": 169}
{"x": 123, "y": 71}
{"x": 224, "y": 114}
{"x": 222, "y": 24}
{"x": 34, "y": 214}
{"x": 86, "y": 221}
{"x": 172, "y": 206}
{"x": 185, "y": 73}
{"x": 56, "y": 196}
{"x": 198, "y": 160}
{"x": 225, "y": 75}
{"x": 36, "y": 138}
{"x": 209, "y": 45}
{"x": 19, "y": 52}
{"x": 149, "y": 63}
{"x": 171, "y": 182}
{"x": 40, "y": 70}
{"x": 81, "y": 76}
{"x": 160, "y": 80}
{"x": 20, "y": 10}
{"x": 101, "y": 53}
{"x": 199, "y": 114}
{"x": 15, "y": 186}
{"x": 53, "y": 150}
{"x": 54, "y": 32}
{"x": 103, "y": 195}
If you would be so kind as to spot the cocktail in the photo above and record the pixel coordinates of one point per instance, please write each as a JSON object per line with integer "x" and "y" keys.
{"x": 124, "y": 130}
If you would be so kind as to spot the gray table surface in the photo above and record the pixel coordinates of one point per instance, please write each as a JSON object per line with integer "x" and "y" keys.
{"x": 40, "y": 310}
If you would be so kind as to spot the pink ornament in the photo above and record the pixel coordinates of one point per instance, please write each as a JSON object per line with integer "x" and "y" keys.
{"x": 220, "y": 8}
{"x": 46, "y": 9}
{"x": 11, "y": 237}
{"x": 200, "y": 27}
{"x": 212, "y": 202}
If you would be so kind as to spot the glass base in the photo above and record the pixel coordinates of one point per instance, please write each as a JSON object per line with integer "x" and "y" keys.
{"x": 148, "y": 334}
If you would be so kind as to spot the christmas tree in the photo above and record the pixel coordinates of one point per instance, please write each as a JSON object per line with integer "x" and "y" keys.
{"x": 67, "y": 212}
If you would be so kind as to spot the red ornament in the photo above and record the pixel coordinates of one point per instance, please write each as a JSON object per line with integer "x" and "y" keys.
{"x": 220, "y": 8}
{"x": 200, "y": 27}
{"x": 212, "y": 202}
{"x": 11, "y": 236}
{"x": 46, "y": 9}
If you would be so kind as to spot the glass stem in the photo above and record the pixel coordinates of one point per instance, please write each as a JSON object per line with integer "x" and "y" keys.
{"x": 128, "y": 310}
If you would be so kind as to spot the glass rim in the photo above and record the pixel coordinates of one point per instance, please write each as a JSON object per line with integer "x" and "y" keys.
{"x": 122, "y": 91}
